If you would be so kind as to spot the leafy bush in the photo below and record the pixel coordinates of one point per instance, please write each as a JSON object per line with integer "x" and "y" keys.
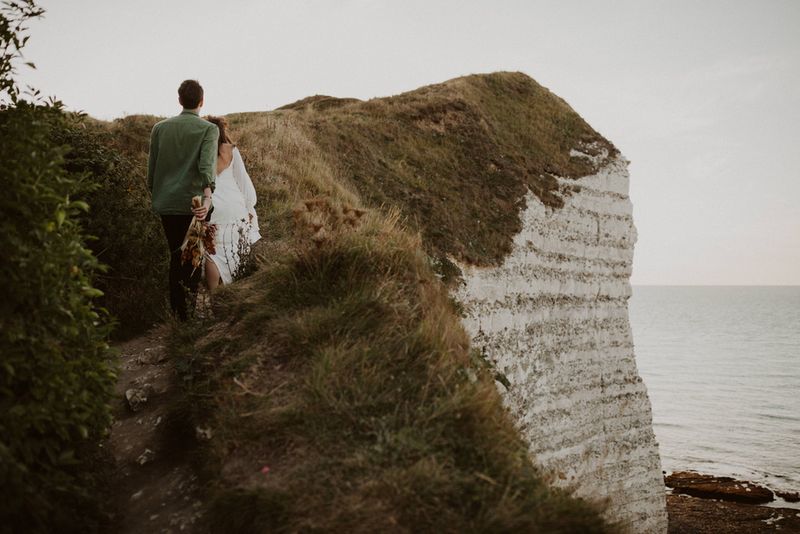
{"x": 127, "y": 236}
{"x": 55, "y": 373}
{"x": 56, "y": 377}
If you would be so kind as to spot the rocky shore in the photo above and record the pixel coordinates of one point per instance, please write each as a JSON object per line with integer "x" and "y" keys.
{"x": 706, "y": 504}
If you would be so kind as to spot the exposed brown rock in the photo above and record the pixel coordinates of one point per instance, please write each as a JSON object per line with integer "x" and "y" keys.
{"x": 788, "y": 496}
{"x": 713, "y": 487}
{"x": 690, "y": 515}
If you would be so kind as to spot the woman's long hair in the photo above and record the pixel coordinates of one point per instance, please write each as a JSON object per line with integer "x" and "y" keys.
{"x": 222, "y": 124}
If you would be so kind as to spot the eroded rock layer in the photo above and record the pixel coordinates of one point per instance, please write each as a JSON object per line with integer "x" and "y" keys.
{"x": 554, "y": 320}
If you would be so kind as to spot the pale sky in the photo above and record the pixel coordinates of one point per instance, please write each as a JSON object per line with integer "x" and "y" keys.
{"x": 702, "y": 96}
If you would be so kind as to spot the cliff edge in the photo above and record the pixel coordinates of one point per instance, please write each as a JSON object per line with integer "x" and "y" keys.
{"x": 506, "y": 182}
{"x": 553, "y": 318}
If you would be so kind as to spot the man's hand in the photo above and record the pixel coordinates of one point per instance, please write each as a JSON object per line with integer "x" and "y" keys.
{"x": 201, "y": 212}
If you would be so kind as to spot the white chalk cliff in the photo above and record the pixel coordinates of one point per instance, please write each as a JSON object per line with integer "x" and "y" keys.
{"x": 553, "y": 318}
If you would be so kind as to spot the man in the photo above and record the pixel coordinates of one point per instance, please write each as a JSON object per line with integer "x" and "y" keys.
{"x": 181, "y": 165}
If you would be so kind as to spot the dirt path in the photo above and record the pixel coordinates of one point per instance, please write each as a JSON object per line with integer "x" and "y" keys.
{"x": 154, "y": 489}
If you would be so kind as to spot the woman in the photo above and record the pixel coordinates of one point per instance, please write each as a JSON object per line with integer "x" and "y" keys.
{"x": 234, "y": 214}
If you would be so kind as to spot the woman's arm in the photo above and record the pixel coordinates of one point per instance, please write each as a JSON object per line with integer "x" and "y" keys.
{"x": 244, "y": 182}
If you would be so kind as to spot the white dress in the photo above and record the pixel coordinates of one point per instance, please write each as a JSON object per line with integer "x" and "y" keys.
{"x": 234, "y": 201}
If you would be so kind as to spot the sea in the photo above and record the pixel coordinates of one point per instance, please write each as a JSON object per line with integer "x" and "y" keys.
{"x": 722, "y": 369}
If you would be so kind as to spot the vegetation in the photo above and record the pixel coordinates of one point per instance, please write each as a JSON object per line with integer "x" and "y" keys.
{"x": 337, "y": 381}
{"x": 126, "y": 235}
{"x": 457, "y": 157}
{"x": 55, "y": 374}
{"x": 343, "y": 396}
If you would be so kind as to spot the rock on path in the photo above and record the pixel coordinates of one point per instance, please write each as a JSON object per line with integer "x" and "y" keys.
{"x": 714, "y": 487}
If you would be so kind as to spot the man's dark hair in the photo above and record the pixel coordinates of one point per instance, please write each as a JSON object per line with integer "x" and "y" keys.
{"x": 190, "y": 93}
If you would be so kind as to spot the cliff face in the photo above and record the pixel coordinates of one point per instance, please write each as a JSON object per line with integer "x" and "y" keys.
{"x": 554, "y": 320}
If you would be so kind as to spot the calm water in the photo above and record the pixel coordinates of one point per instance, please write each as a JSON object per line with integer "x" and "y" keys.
{"x": 722, "y": 367}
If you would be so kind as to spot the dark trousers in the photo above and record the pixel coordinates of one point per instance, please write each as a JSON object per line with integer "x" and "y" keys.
{"x": 182, "y": 282}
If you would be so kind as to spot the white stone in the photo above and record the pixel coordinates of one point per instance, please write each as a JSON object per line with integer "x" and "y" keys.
{"x": 553, "y": 318}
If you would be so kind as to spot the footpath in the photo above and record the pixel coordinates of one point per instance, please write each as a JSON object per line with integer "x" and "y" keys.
{"x": 153, "y": 488}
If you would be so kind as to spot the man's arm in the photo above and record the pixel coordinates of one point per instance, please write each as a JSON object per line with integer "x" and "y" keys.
{"x": 207, "y": 165}
{"x": 202, "y": 212}
{"x": 152, "y": 157}
{"x": 208, "y": 157}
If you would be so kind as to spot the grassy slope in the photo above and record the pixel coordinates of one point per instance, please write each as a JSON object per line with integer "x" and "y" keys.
{"x": 341, "y": 364}
{"x": 456, "y": 157}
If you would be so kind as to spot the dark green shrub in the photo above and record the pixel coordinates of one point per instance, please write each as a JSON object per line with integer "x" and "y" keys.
{"x": 55, "y": 372}
{"x": 56, "y": 377}
{"x": 127, "y": 236}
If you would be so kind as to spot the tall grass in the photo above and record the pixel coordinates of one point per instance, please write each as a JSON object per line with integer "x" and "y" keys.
{"x": 343, "y": 369}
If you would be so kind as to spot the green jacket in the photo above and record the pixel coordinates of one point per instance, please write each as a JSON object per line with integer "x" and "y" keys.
{"x": 182, "y": 162}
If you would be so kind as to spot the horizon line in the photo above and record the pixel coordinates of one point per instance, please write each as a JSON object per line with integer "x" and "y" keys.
{"x": 718, "y": 285}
